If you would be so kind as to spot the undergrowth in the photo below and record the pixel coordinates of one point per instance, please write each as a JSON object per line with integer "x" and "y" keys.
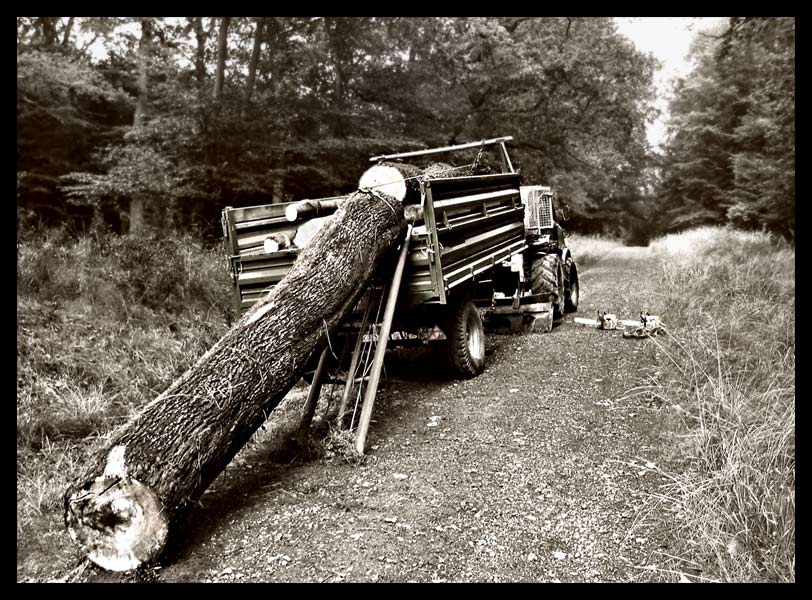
{"x": 589, "y": 249}
{"x": 729, "y": 301}
{"x": 104, "y": 325}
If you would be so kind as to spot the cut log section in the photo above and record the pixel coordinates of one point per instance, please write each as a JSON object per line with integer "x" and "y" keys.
{"x": 397, "y": 180}
{"x": 307, "y": 209}
{"x": 122, "y": 509}
{"x": 401, "y": 181}
{"x": 278, "y": 241}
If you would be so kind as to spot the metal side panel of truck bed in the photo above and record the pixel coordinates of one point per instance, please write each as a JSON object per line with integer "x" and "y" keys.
{"x": 469, "y": 225}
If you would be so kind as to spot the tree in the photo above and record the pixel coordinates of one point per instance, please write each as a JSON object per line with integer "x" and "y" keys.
{"x": 316, "y": 96}
{"x": 137, "y": 198}
{"x": 222, "y": 50}
{"x": 730, "y": 156}
{"x": 201, "y": 37}
{"x": 254, "y": 62}
{"x": 763, "y": 191}
{"x": 65, "y": 111}
{"x": 574, "y": 93}
{"x": 141, "y": 168}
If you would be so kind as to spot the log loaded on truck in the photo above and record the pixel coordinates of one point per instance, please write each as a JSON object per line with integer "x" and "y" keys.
{"x": 479, "y": 247}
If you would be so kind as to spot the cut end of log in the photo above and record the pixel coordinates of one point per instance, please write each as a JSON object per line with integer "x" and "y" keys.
{"x": 385, "y": 180}
{"x": 276, "y": 242}
{"x": 117, "y": 521}
{"x": 307, "y": 209}
{"x": 292, "y": 212}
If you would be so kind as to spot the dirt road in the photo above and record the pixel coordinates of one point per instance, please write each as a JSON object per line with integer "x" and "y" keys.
{"x": 538, "y": 470}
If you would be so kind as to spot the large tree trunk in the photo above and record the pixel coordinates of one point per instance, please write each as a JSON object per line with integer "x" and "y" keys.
{"x": 144, "y": 51}
{"x": 137, "y": 201}
{"x": 201, "y": 35}
{"x": 121, "y": 510}
{"x": 222, "y": 49}
{"x": 48, "y": 30}
{"x": 273, "y": 34}
{"x": 252, "y": 65}
{"x": 68, "y": 29}
{"x": 339, "y": 41}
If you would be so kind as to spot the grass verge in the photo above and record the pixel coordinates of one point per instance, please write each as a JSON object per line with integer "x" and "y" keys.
{"x": 104, "y": 325}
{"x": 589, "y": 249}
{"x": 729, "y": 300}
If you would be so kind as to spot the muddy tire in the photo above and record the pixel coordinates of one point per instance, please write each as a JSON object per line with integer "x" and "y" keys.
{"x": 464, "y": 349}
{"x": 547, "y": 276}
{"x": 572, "y": 290}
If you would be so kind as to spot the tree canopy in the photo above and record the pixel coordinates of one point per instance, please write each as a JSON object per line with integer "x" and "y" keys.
{"x": 731, "y": 152}
{"x": 161, "y": 122}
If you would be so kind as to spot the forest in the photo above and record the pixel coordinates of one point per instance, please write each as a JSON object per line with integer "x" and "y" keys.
{"x": 133, "y": 135}
{"x": 151, "y": 124}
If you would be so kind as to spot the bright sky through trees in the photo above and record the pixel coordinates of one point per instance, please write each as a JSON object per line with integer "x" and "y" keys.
{"x": 668, "y": 39}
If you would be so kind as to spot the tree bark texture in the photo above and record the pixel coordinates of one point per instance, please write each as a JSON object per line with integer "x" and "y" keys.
{"x": 279, "y": 185}
{"x": 341, "y": 52}
{"x": 222, "y": 50}
{"x": 48, "y": 30}
{"x": 201, "y": 35}
{"x": 144, "y": 51}
{"x": 252, "y": 65}
{"x": 122, "y": 509}
{"x": 136, "y": 212}
{"x": 68, "y": 29}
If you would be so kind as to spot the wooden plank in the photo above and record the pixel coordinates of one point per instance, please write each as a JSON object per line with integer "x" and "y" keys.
{"x": 313, "y": 394}
{"x": 380, "y": 347}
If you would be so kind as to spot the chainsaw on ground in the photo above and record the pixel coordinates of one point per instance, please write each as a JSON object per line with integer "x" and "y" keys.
{"x": 648, "y": 325}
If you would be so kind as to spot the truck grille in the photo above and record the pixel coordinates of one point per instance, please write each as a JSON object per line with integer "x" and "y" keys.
{"x": 538, "y": 209}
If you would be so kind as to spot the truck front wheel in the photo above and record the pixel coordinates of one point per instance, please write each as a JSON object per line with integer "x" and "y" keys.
{"x": 464, "y": 348}
{"x": 547, "y": 276}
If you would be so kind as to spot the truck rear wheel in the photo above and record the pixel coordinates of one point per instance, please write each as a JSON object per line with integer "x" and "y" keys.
{"x": 464, "y": 348}
{"x": 547, "y": 276}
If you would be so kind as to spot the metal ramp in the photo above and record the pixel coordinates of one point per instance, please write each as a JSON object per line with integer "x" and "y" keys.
{"x": 367, "y": 330}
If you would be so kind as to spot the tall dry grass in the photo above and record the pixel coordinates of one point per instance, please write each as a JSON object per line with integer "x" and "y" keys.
{"x": 589, "y": 249}
{"x": 729, "y": 300}
{"x": 104, "y": 325}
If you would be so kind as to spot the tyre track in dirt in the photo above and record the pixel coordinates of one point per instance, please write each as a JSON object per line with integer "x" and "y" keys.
{"x": 534, "y": 471}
